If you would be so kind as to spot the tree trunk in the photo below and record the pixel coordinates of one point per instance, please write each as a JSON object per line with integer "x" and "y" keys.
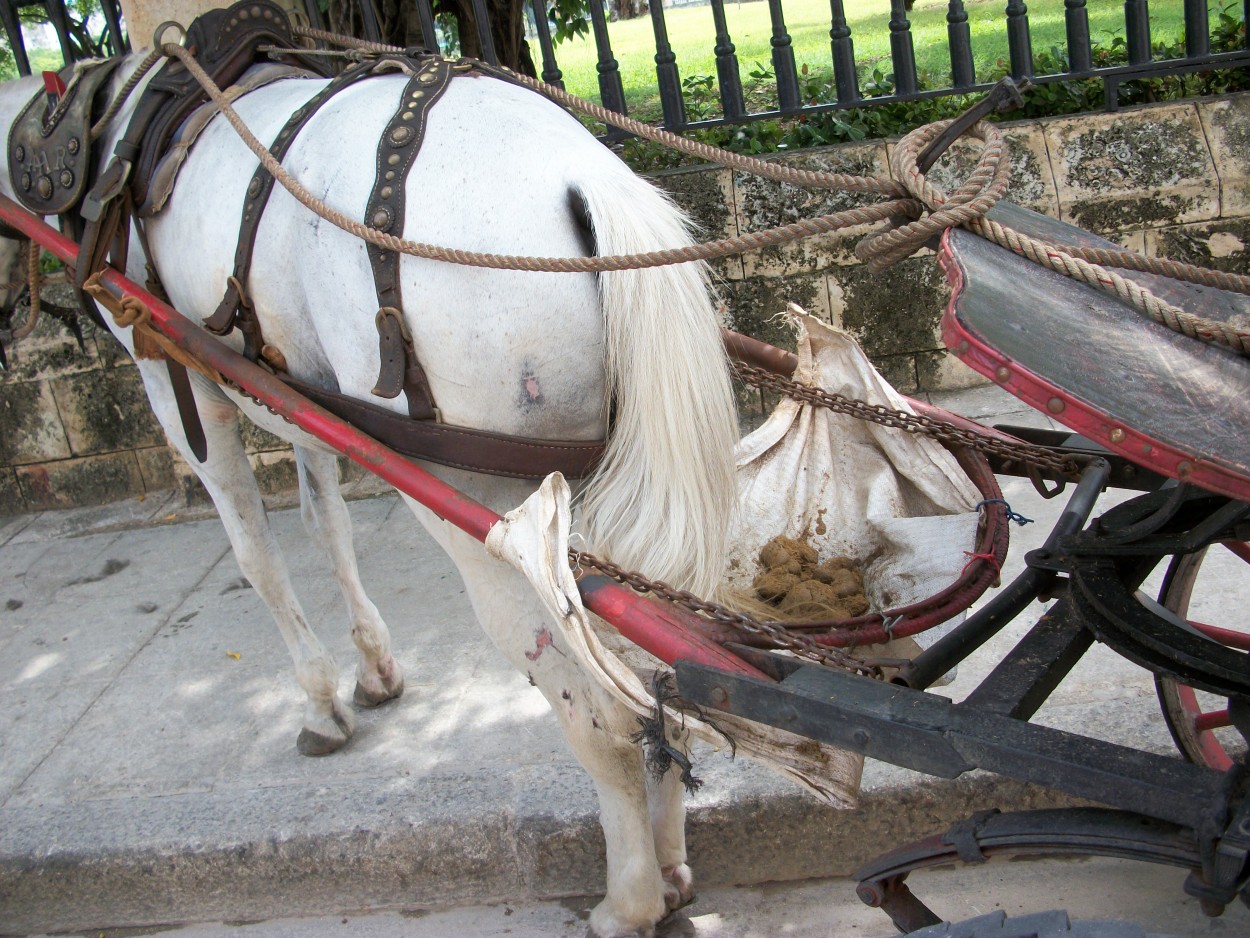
{"x": 401, "y": 27}
{"x": 628, "y": 9}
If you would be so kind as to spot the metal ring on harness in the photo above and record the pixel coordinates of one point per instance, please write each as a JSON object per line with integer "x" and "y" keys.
{"x": 157, "y": 37}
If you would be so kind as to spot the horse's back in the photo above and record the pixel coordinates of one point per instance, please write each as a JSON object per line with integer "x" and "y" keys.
{"x": 497, "y": 171}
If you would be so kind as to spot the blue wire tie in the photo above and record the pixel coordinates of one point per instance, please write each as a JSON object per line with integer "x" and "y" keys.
{"x": 1011, "y": 515}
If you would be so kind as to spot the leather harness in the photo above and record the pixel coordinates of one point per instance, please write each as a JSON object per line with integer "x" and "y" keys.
{"x": 227, "y": 43}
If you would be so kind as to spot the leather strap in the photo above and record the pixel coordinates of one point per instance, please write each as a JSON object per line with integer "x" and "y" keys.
{"x": 476, "y": 450}
{"x": 397, "y": 151}
{"x": 234, "y": 305}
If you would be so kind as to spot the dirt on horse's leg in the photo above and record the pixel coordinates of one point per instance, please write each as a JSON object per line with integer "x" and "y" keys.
{"x": 666, "y": 799}
{"x": 378, "y": 677}
{"x": 227, "y": 475}
{"x": 596, "y": 726}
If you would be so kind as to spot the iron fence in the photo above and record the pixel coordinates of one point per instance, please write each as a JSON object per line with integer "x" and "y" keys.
{"x": 789, "y": 102}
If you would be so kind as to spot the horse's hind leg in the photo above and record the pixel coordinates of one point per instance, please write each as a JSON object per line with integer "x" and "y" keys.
{"x": 666, "y": 801}
{"x": 378, "y": 677}
{"x": 597, "y": 727}
{"x": 227, "y": 476}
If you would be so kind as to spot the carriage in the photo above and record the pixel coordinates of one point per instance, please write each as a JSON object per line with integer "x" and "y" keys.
{"x": 1072, "y": 352}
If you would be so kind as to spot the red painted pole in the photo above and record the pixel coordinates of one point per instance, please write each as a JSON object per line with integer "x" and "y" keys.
{"x": 667, "y": 634}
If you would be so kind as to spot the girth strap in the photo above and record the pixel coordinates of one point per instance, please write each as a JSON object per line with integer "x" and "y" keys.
{"x": 234, "y": 308}
{"x": 397, "y": 151}
{"x": 458, "y": 447}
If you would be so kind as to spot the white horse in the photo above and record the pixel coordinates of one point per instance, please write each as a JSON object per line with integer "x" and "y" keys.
{"x": 540, "y": 355}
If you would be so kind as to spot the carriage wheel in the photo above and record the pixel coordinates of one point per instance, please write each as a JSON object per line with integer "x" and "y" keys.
{"x": 1199, "y": 721}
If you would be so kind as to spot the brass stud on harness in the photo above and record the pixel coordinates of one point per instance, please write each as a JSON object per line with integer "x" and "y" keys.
{"x": 67, "y": 179}
{"x": 44, "y": 187}
{"x": 72, "y": 146}
{"x": 400, "y": 136}
{"x": 392, "y": 160}
{"x": 253, "y": 188}
{"x": 387, "y": 192}
{"x": 20, "y": 153}
{"x": 381, "y": 219}
{"x": 25, "y": 182}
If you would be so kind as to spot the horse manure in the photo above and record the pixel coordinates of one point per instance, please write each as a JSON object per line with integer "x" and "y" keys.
{"x": 799, "y": 584}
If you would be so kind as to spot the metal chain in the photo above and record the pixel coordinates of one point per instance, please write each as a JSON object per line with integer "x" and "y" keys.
{"x": 942, "y": 430}
{"x": 774, "y": 632}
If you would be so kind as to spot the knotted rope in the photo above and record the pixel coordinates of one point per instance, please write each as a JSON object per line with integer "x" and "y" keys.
{"x": 916, "y": 210}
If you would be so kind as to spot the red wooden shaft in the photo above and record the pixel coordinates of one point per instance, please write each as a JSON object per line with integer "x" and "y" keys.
{"x": 644, "y": 623}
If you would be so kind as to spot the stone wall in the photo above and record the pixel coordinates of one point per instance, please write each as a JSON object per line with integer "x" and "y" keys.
{"x": 1168, "y": 179}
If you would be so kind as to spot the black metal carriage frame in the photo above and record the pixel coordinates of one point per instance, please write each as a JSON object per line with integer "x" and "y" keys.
{"x": 1159, "y": 809}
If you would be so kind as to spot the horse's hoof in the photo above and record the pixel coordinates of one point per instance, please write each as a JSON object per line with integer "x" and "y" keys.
{"x": 318, "y": 744}
{"x": 329, "y": 735}
{"x": 678, "y": 887}
{"x": 363, "y": 697}
{"x": 378, "y": 684}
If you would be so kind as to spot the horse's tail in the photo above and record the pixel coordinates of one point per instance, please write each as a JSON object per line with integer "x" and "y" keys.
{"x": 661, "y": 500}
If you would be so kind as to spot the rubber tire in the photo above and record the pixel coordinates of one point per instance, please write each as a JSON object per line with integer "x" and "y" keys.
{"x": 1042, "y": 925}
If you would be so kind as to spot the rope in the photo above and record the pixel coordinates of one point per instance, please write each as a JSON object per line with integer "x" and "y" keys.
{"x": 97, "y": 130}
{"x": 33, "y": 281}
{"x": 696, "y": 252}
{"x": 908, "y": 229}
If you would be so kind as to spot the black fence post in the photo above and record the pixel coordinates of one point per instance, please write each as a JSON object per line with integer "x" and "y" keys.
{"x": 728, "y": 78}
{"x": 610, "y": 90}
{"x": 60, "y": 23}
{"x": 783, "y": 60}
{"x": 118, "y": 42}
{"x": 666, "y": 70}
{"x": 551, "y": 70}
{"x": 1137, "y": 31}
{"x": 902, "y": 52}
{"x": 370, "y": 25}
{"x": 1019, "y": 46}
{"x": 960, "y": 39}
{"x": 13, "y": 26}
{"x": 1076, "y": 19}
{"x": 429, "y": 34}
{"x": 1197, "y": 29}
{"x": 483, "y": 32}
{"x": 845, "y": 76}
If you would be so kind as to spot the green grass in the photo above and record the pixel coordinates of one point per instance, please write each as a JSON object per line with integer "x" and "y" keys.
{"x": 692, "y": 36}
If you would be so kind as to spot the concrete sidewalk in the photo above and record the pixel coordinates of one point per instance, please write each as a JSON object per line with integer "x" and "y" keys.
{"x": 148, "y": 772}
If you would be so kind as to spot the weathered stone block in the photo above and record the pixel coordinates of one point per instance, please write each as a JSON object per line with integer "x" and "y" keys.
{"x": 112, "y": 353}
{"x": 275, "y": 472}
{"x": 92, "y": 480}
{"x": 1032, "y": 181}
{"x": 11, "y": 500}
{"x": 762, "y": 203}
{"x": 707, "y": 195}
{"x": 1133, "y": 168}
{"x": 942, "y": 371}
{"x": 106, "y": 411}
{"x": 187, "y": 482}
{"x": 156, "y": 465}
{"x": 1223, "y": 245}
{"x": 893, "y": 312}
{"x": 756, "y": 307}
{"x": 48, "y": 352}
{"x": 1227, "y": 126}
{"x": 259, "y": 440}
{"x": 899, "y": 371}
{"x": 30, "y": 427}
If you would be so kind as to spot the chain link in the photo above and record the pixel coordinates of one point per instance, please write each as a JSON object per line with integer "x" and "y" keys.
{"x": 775, "y": 633}
{"x": 943, "y": 430}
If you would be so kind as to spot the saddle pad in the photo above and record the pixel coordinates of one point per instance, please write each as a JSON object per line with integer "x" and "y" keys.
{"x": 1167, "y": 402}
{"x": 50, "y": 158}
